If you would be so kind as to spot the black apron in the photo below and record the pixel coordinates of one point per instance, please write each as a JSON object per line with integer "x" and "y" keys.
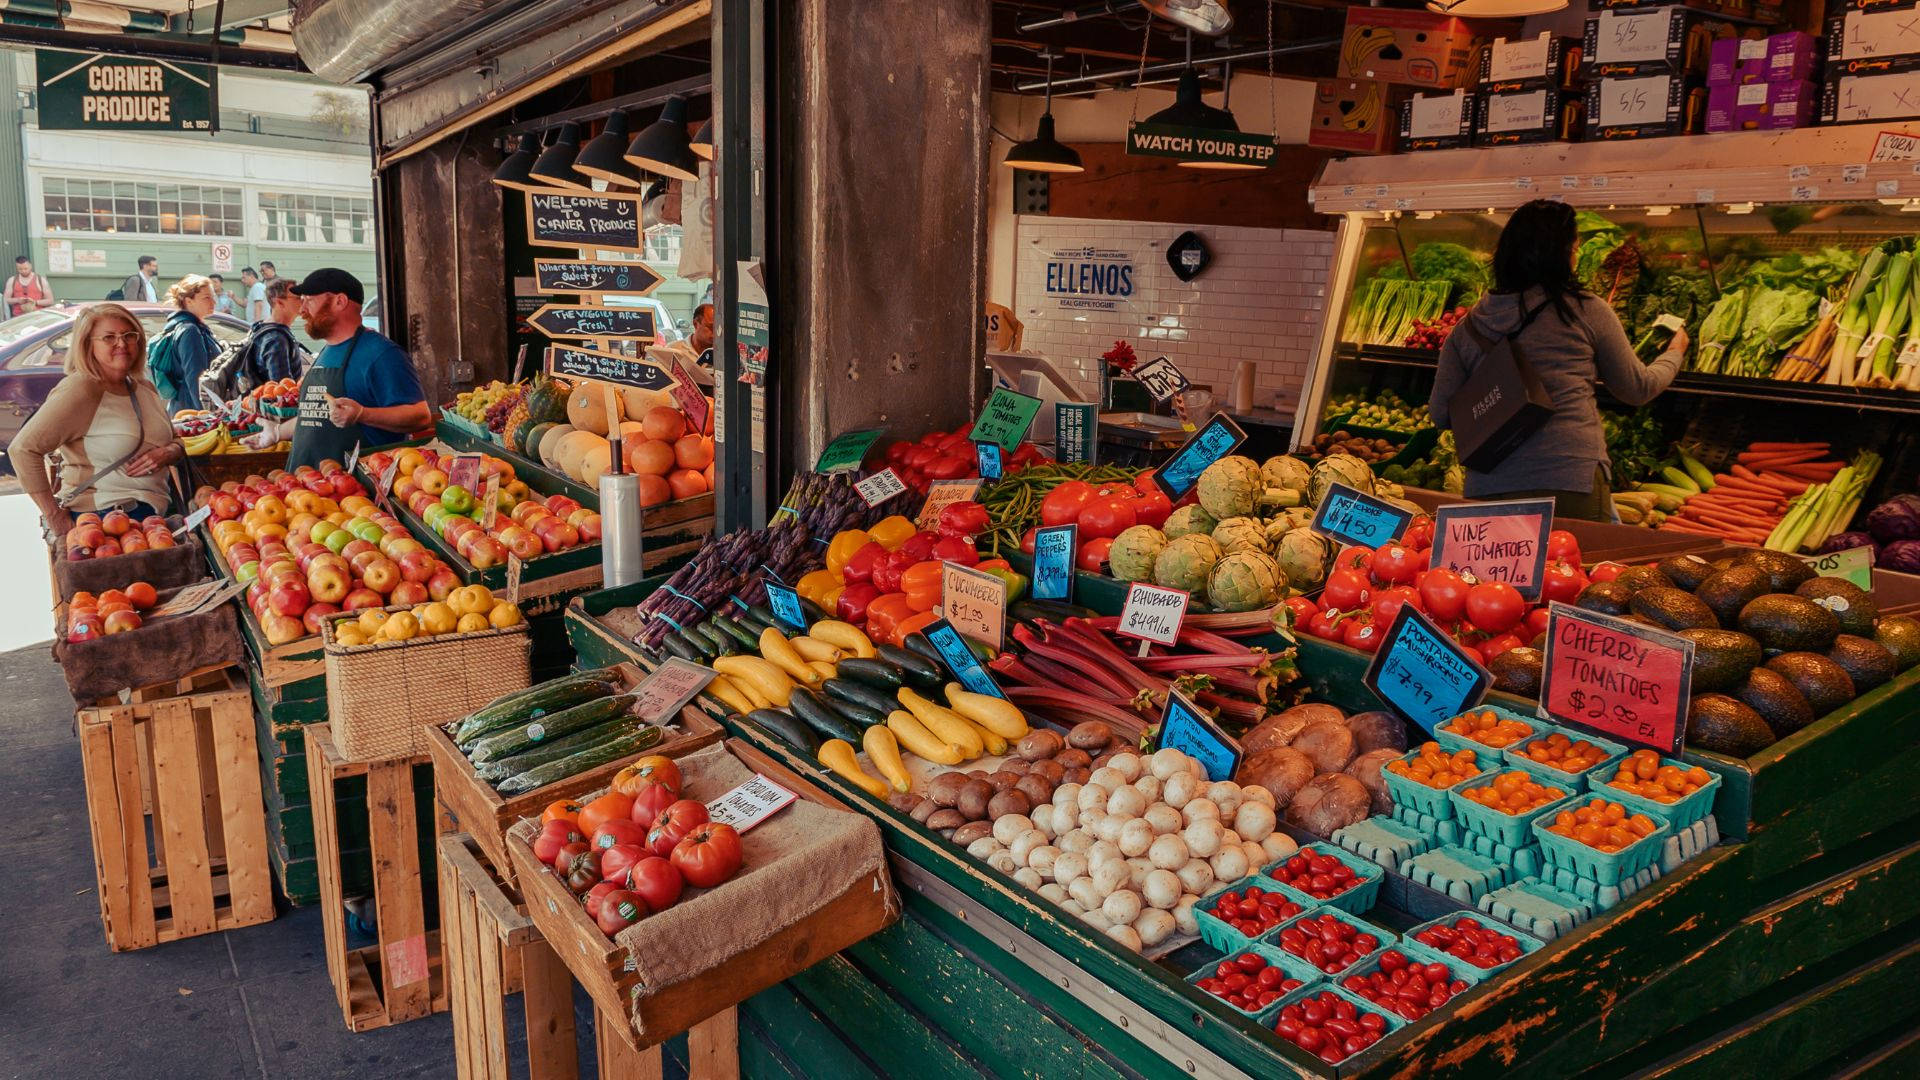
{"x": 315, "y": 438}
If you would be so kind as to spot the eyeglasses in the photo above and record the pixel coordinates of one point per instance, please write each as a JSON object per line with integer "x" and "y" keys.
{"x": 110, "y": 338}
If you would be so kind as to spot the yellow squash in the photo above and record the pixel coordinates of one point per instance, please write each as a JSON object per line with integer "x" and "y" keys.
{"x": 883, "y": 749}
{"x": 771, "y": 682}
{"x": 837, "y": 754}
{"x": 841, "y": 635}
{"x": 997, "y": 715}
{"x": 944, "y": 723}
{"x": 776, "y": 648}
{"x": 918, "y": 740}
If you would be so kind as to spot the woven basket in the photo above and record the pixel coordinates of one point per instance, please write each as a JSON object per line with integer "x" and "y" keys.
{"x": 381, "y": 696}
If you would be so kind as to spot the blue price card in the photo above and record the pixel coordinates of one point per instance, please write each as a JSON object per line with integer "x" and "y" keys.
{"x": 1076, "y": 430}
{"x": 959, "y": 658}
{"x": 1219, "y": 438}
{"x": 786, "y": 605}
{"x": 1349, "y": 517}
{"x": 1192, "y": 732}
{"x": 1422, "y": 674}
{"x": 990, "y": 466}
{"x": 1053, "y": 550}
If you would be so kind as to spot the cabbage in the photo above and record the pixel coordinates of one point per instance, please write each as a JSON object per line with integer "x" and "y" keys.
{"x": 1901, "y": 555}
{"x": 1845, "y": 541}
{"x": 1896, "y": 519}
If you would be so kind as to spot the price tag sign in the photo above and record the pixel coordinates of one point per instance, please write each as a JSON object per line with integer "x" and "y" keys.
{"x": 1152, "y": 613}
{"x": 464, "y": 472}
{"x": 1053, "y": 550}
{"x": 1496, "y": 541}
{"x": 1424, "y": 675}
{"x": 959, "y": 658}
{"x": 785, "y": 604}
{"x": 880, "y": 487}
{"x": 750, "y": 804}
{"x": 1185, "y": 728}
{"x": 847, "y": 450}
{"x": 1006, "y": 418}
{"x": 383, "y": 484}
{"x": 669, "y": 688}
{"x": 193, "y": 520}
{"x": 1076, "y": 432}
{"x": 516, "y": 568}
{"x": 1349, "y": 517}
{"x": 989, "y": 454}
{"x": 942, "y": 495}
{"x": 975, "y": 603}
{"x": 353, "y": 457}
{"x": 1621, "y": 679}
{"x": 196, "y": 598}
{"x": 1161, "y": 378}
{"x": 490, "y": 502}
{"x": 1219, "y": 438}
{"x": 687, "y": 392}
{"x": 1853, "y": 564}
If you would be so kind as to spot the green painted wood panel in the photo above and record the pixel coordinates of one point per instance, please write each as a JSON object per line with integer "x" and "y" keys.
{"x": 795, "y": 1040}
{"x": 899, "y": 1041}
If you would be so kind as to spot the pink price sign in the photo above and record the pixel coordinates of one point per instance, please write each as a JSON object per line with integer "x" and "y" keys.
{"x": 1495, "y": 541}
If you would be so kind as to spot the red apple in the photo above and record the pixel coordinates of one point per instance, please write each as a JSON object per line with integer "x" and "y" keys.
{"x": 289, "y": 596}
{"x": 85, "y": 627}
{"x": 442, "y": 583}
{"x": 380, "y": 575}
{"x": 485, "y": 552}
{"x": 106, "y": 549}
{"x": 317, "y": 613}
{"x": 557, "y": 535}
{"x": 418, "y": 566}
{"x": 119, "y": 622}
{"x": 408, "y": 593}
{"x": 406, "y": 488}
{"x": 356, "y": 547}
{"x": 561, "y": 504}
{"x": 281, "y": 629}
{"x": 376, "y": 462}
{"x": 360, "y": 562}
{"x": 328, "y": 582}
{"x": 590, "y": 529}
{"x": 344, "y": 486}
{"x": 521, "y": 542}
{"x": 362, "y": 598}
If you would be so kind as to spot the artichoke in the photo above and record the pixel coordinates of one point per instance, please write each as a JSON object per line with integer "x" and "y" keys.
{"x": 1186, "y": 562}
{"x": 1240, "y": 534}
{"x": 1188, "y": 519}
{"x": 1294, "y": 517}
{"x": 1245, "y": 581}
{"x": 1287, "y": 471}
{"x": 1231, "y": 487}
{"x": 1303, "y": 556}
{"x": 1133, "y": 553}
{"x": 1337, "y": 469}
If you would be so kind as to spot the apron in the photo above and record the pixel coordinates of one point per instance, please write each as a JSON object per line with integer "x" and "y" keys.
{"x": 315, "y": 438}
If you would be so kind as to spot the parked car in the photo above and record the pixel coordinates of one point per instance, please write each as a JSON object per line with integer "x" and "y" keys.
{"x": 33, "y": 355}
{"x": 666, "y": 330}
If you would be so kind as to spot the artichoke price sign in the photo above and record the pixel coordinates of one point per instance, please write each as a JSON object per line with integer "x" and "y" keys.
{"x": 1422, "y": 674}
{"x": 1185, "y": 728}
{"x": 1620, "y": 679}
{"x": 1496, "y": 541}
{"x": 1219, "y": 438}
{"x": 1351, "y": 517}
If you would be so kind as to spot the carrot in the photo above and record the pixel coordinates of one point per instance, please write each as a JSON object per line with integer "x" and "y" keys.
{"x": 1736, "y": 486}
{"x": 1767, "y": 461}
{"x": 1823, "y": 471}
{"x": 1733, "y": 518}
{"x": 1676, "y": 525}
{"x": 1785, "y": 446}
{"x": 1744, "y": 473}
{"x": 1785, "y": 484}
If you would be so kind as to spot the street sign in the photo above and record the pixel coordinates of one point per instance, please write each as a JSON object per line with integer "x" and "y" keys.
{"x": 580, "y": 276}
{"x": 578, "y": 321}
{"x": 601, "y": 220}
{"x": 97, "y": 92}
{"x": 223, "y": 258}
{"x": 606, "y": 367}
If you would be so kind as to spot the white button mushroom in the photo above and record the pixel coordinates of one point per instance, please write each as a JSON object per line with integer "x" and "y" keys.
{"x": 1125, "y": 935}
{"x": 984, "y": 847}
{"x": 1256, "y": 793}
{"x": 1025, "y": 844}
{"x": 1095, "y": 918}
{"x": 1183, "y": 918}
{"x": 1153, "y": 927}
{"x": 1199, "y": 809}
{"x": 1052, "y": 891}
{"x": 1002, "y": 861}
{"x": 1202, "y": 837}
{"x": 1110, "y": 827}
{"x": 1010, "y": 826}
{"x": 1066, "y": 795}
{"x": 1162, "y": 888}
{"x": 1069, "y": 867}
{"x": 1041, "y": 859}
{"x": 1164, "y": 819}
{"x": 1256, "y": 855}
{"x": 1229, "y": 864}
{"x": 1028, "y": 877}
{"x": 1103, "y": 851}
{"x": 1136, "y": 837}
{"x": 1127, "y": 802}
{"x": 1226, "y": 795}
{"x": 1197, "y": 876}
{"x": 1077, "y": 840}
{"x": 1277, "y": 846}
{"x": 1167, "y": 761}
{"x": 1084, "y": 890}
{"x": 1065, "y": 818}
{"x": 1110, "y": 875}
{"x": 1254, "y": 821}
{"x": 1127, "y": 765}
{"x": 1179, "y": 789}
{"x": 1149, "y": 786}
{"x": 1168, "y": 852}
{"x": 1137, "y": 871}
{"x": 1092, "y": 796}
{"x": 1108, "y": 779}
{"x": 1042, "y": 816}
{"x": 1121, "y": 906}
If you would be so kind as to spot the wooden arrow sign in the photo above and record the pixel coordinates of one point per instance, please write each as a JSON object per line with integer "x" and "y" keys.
{"x": 577, "y": 276}
{"x": 575, "y": 363}
{"x": 579, "y": 321}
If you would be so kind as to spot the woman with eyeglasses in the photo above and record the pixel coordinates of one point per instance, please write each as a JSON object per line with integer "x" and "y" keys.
{"x": 104, "y": 426}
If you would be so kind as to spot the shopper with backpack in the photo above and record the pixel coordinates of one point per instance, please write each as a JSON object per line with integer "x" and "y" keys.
{"x": 185, "y": 347}
{"x": 269, "y": 352}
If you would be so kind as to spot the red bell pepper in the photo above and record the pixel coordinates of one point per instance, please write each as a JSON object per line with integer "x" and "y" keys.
{"x": 860, "y": 567}
{"x": 920, "y": 545}
{"x": 967, "y": 518}
{"x": 886, "y": 573}
{"x": 951, "y": 467}
{"x": 957, "y": 549}
{"x": 854, "y": 601}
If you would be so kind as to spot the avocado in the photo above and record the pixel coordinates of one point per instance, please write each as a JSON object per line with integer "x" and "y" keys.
{"x": 1727, "y": 591}
{"x": 1686, "y": 571}
{"x": 1518, "y": 671}
{"x": 1776, "y": 699}
{"x": 1605, "y": 597}
{"x": 1825, "y": 684}
{"x": 1784, "y": 572}
{"x": 1539, "y": 641}
{"x": 1866, "y": 662}
{"x": 1726, "y": 725}
{"x": 1851, "y": 604}
{"x": 1721, "y": 658}
{"x": 1673, "y": 609}
{"x": 1789, "y": 623}
{"x": 1900, "y": 636}
{"x": 1643, "y": 577}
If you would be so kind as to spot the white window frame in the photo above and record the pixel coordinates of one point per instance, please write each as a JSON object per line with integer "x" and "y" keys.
{"x": 260, "y": 224}
{"x": 46, "y": 230}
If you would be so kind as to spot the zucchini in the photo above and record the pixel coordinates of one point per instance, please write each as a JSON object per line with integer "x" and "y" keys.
{"x": 750, "y": 622}
{"x": 681, "y": 646}
{"x": 921, "y": 644}
{"x": 789, "y": 730}
{"x": 605, "y": 753}
{"x": 821, "y": 716}
{"x": 501, "y": 768}
{"x": 521, "y": 705}
{"x": 879, "y": 674}
{"x": 919, "y": 673}
{"x": 737, "y": 632}
{"x": 859, "y": 693}
{"x": 710, "y": 635}
{"x": 860, "y": 714}
{"x": 812, "y": 611}
{"x": 522, "y": 737}
{"x": 763, "y": 615}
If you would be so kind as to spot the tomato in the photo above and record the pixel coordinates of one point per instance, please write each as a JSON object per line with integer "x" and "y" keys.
{"x": 604, "y": 809}
{"x": 1563, "y": 547}
{"x": 1346, "y": 588}
{"x": 1536, "y": 622}
{"x": 951, "y": 466}
{"x": 1106, "y": 516}
{"x": 1496, "y": 645}
{"x": 1419, "y": 535}
{"x": 615, "y": 861}
{"x": 562, "y": 809}
{"x": 657, "y": 881}
{"x": 1303, "y": 610}
{"x": 1495, "y": 606}
{"x": 1093, "y": 555}
{"x": 618, "y": 832}
{"x": 1444, "y": 594}
{"x": 555, "y": 835}
{"x": 1352, "y": 558}
{"x": 1360, "y": 633}
{"x": 1144, "y": 483}
{"x": 596, "y": 894}
{"x": 1388, "y": 602}
{"x": 1605, "y": 571}
{"x": 1394, "y": 564}
{"x": 620, "y": 909}
{"x": 657, "y": 768}
{"x": 1326, "y": 624}
{"x": 1152, "y": 508}
{"x": 581, "y": 871}
{"x": 1026, "y": 540}
{"x": 1062, "y": 504}
{"x": 709, "y": 855}
{"x": 672, "y": 825}
{"x": 1561, "y": 582}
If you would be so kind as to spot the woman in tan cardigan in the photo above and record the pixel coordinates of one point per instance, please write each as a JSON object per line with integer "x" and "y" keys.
{"x": 104, "y": 410}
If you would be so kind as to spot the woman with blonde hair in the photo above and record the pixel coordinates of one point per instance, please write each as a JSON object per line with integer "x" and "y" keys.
{"x": 185, "y": 346}
{"x": 103, "y": 424}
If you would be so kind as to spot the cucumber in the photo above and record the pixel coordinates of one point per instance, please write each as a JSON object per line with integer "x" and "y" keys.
{"x": 522, "y": 737}
{"x": 501, "y": 768}
{"x": 737, "y": 632}
{"x": 822, "y": 717}
{"x": 788, "y": 730}
{"x": 679, "y": 645}
{"x": 919, "y": 673}
{"x": 879, "y": 674}
{"x": 517, "y": 707}
{"x": 858, "y": 693}
{"x": 612, "y": 750}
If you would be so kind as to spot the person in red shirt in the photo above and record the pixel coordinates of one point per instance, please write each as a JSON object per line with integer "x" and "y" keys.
{"x": 27, "y": 291}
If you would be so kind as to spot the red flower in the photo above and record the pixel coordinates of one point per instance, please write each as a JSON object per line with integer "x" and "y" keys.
{"x": 1121, "y": 356}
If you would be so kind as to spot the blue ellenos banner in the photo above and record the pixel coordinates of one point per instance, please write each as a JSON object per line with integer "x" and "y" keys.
{"x": 1090, "y": 278}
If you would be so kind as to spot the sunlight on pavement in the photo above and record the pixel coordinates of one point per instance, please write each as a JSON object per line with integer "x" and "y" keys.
{"x": 26, "y": 612}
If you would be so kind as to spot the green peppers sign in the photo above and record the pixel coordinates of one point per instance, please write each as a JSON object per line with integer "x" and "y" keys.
{"x": 97, "y": 92}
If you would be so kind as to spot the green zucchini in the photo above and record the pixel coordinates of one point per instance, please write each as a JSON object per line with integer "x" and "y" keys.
{"x": 552, "y": 750}
{"x": 750, "y": 622}
{"x": 812, "y": 611}
{"x": 822, "y": 717}
{"x": 848, "y": 691}
{"x": 788, "y": 730}
{"x": 522, "y": 705}
{"x": 879, "y": 674}
{"x": 522, "y": 737}
{"x": 681, "y": 646}
{"x": 763, "y": 615}
{"x": 858, "y": 713}
{"x": 918, "y": 642}
{"x": 738, "y": 633}
{"x": 711, "y": 636}
{"x": 605, "y": 753}
{"x": 919, "y": 673}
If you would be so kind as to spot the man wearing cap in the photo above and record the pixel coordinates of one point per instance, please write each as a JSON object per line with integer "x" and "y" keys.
{"x": 361, "y": 388}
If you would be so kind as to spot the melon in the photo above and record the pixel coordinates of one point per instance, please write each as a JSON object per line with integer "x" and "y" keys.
{"x": 530, "y": 445}
{"x": 594, "y": 464}
{"x": 549, "y": 442}
{"x": 572, "y": 450}
{"x": 587, "y": 409}
{"x": 637, "y": 400}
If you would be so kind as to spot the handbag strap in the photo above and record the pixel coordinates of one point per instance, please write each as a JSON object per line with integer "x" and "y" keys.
{"x": 140, "y": 443}
{"x": 1485, "y": 343}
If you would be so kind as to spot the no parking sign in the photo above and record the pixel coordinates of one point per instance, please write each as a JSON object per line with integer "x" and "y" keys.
{"x": 222, "y": 257}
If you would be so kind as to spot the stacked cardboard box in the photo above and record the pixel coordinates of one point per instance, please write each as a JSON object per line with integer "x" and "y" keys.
{"x": 1646, "y": 71}
{"x": 1384, "y": 53}
{"x": 1762, "y": 83}
{"x": 1873, "y": 62}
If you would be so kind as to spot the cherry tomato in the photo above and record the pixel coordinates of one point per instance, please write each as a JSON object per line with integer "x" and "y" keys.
{"x": 1563, "y": 547}
{"x": 1443, "y": 593}
{"x": 1561, "y": 582}
{"x": 1360, "y": 633}
{"x": 1347, "y": 588}
{"x": 1388, "y": 602}
{"x": 1394, "y": 564}
{"x": 1495, "y": 606}
{"x": 1106, "y": 516}
{"x": 1352, "y": 558}
{"x": 1093, "y": 555}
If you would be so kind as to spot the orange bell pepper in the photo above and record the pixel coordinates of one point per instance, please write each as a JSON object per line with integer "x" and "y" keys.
{"x": 921, "y": 583}
{"x": 917, "y": 623}
{"x": 884, "y": 616}
{"x": 816, "y": 585}
{"x": 891, "y": 532}
{"x": 842, "y": 546}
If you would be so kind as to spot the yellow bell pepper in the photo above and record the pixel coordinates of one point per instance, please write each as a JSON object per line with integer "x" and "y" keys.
{"x": 816, "y": 585}
{"x": 842, "y": 546}
{"x": 831, "y": 601}
{"x": 892, "y": 532}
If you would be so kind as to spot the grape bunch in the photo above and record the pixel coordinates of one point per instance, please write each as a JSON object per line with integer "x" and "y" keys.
{"x": 496, "y": 414}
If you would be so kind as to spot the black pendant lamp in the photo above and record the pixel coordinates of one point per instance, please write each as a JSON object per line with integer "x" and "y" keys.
{"x": 516, "y": 173}
{"x": 555, "y": 166}
{"x": 702, "y": 145}
{"x": 1190, "y": 111}
{"x": 604, "y": 155}
{"x": 662, "y": 148}
{"x": 1043, "y": 152}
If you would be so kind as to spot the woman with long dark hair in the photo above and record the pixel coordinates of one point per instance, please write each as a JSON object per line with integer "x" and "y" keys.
{"x": 1570, "y": 338}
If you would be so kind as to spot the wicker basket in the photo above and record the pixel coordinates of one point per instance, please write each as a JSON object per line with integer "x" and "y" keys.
{"x": 381, "y": 696}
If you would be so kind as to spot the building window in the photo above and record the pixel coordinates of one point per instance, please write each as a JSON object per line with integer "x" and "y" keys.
{"x": 663, "y": 244}
{"x": 315, "y": 219}
{"x": 120, "y": 206}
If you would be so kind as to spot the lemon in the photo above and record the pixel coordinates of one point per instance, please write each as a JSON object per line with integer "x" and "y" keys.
{"x": 400, "y": 626}
{"x": 438, "y": 618}
{"x": 349, "y": 634}
{"x": 472, "y": 621}
{"x": 472, "y": 600}
{"x": 370, "y": 621}
{"x": 504, "y": 615}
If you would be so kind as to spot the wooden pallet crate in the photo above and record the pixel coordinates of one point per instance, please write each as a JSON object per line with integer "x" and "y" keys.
{"x": 399, "y": 978}
{"x": 174, "y": 807}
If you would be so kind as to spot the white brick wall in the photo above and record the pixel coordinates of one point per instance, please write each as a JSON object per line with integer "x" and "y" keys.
{"x": 1259, "y": 299}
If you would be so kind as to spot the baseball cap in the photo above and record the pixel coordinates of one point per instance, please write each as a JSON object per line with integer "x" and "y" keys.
{"x": 330, "y": 279}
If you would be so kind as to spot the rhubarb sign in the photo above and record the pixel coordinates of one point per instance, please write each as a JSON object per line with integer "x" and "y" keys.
{"x": 1200, "y": 144}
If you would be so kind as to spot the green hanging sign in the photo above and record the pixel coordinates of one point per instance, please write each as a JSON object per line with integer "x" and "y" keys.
{"x": 97, "y": 92}
{"x": 1200, "y": 144}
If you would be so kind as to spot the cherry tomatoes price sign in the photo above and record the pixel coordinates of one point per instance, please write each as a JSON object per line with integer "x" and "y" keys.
{"x": 1619, "y": 679}
{"x": 1349, "y": 517}
{"x": 1496, "y": 541}
{"x": 1421, "y": 674}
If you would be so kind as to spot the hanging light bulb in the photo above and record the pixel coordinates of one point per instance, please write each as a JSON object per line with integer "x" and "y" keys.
{"x": 1043, "y": 152}
{"x": 702, "y": 144}
{"x": 555, "y": 166}
{"x": 663, "y": 148}
{"x": 515, "y": 173}
{"x": 605, "y": 156}
{"x": 1190, "y": 110}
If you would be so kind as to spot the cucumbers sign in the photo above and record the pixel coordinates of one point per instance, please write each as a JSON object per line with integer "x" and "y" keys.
{"x": 97, "y": 92}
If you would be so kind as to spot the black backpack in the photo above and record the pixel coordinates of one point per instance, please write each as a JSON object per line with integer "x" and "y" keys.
{"x": 235, "y": 371}
{"x": 116, "y": 294}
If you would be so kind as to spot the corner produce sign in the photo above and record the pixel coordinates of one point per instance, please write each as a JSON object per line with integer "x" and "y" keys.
{"x": 1219, "y": 438}
{"x": 580, "y": 321}
{"x": 1421, "y": 674}
{"x": 1185, "y": 728}
{"x": 1620, "y": 679}
{"x": 573, "y": 363}
{"x": 1496, "y": 541}
{"x": 847, "y": 450}
{"x": 97, "y": 92}
{"x": 974, "y": 602}
{"x": 1347, "y": 516}
{"x": 599, "y": 221}
{"x": 1005, "y": 419}
{"x": 1053, "y": 549}
{"x": 960, "y": 660}
{"x": 580, "y": 276}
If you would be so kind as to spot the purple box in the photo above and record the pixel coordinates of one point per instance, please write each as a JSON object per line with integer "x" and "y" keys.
{"x": 1730, "y": 59}
{"x": 1792, "y": 57}
{"x": 1789, "y": 57}
{"x": 1762, "y": 106}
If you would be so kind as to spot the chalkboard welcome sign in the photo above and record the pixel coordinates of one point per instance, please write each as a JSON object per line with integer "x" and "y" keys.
{"x": 601, "y": 220}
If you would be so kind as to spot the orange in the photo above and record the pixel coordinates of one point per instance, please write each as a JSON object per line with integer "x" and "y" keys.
{"x": 84, "y": 601}
{"x": 609, "y": 807}
{"x": 650, "y": 457}
{"x": 654, "y": 490}
{"x": 686, "y": 483}
{"x": 142, "y": 595}
{"x": 114, "y": 596}
{"x": 561, "y": 810}
{"x": 693, "y": 452}
{"x": 663, "y": 422}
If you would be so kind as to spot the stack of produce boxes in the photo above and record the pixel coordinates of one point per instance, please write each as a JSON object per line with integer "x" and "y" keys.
{"x": 1873, "y": 61}
{"x": 1385, "y": 51}
{"x": 1646, "y": 68}
{"x": 1762, "y": 84}
{"x": 1528, "y": 91}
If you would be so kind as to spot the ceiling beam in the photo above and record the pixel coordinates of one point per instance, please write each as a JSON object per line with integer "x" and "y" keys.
{"x": 154, "y": 46}
{"x": 238, "y": 13}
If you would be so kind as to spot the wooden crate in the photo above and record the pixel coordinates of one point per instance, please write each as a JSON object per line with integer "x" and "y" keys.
{"x": 400, "y": 978}
{"x": 287, "y": 662}
{"x": 487, "y": 815}
{"x": 176, "y": 763}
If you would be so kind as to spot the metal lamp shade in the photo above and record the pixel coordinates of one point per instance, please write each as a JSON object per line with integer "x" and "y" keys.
{"x": 662, "y": 148}
{"x": 1494, "y": 9}
{"x": 1189, "y": 110}
{"x": 1209, "y": 17}
{"x": 702, "y": 145}
{"x": 516, "y": 172}
{"x": 555, "y": 165}
{"x": 1044, "y": 153}
{"x": 605, "y": 155}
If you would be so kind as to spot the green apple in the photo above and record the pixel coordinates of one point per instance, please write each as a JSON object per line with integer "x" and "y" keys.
{"x": 457, "y": 500}
{"x": 246, "y": 572}
{"x": 436, "y": 517}
{"x": 320, "y": 530}
{"x": 338, "y": 539}
{"x": 367, "y": 529}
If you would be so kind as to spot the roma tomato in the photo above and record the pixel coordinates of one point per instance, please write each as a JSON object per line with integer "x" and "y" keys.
{"x": 1360, "y": 633}
{"x": 1062, "y": 504}
{"x": 1388, "y": 602}
{"x": 1394, "y": 564}
{"x": 612, "y": 833}
{"x": 1347, "y": 588}
{"x": 1563, "y": 547}
{"x": 1093, "y": 555}
{"x": 1561, "y": 582}
{"x": 1106, "y": 516}
{"x": 1443, "y": 593}
{"x": 657, "y": 882}
{"x": 616, "y": 860}
{"x": 709, "y": 855}
{"x": 1495, "y": 606}
{"x": 673, "y": 825}
{"x": 620, "y": 909}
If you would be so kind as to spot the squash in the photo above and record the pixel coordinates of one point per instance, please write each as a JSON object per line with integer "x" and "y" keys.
{"x": 513, "y": 435}
{"x": 530, "y": 446}
{"x": 550, "y": 444}
{"x": 572, "y": 451}
{"x": 594, "y": 463}
{"x": 547, "y": 400}
{"x": 587, "y": 409}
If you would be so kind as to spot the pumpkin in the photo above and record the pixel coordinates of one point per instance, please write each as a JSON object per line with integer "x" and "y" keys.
{"x": 587, "y": 408}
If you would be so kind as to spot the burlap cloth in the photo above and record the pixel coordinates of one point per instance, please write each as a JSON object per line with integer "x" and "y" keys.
{"x": 162, "y": 568}
{"x": 796, "y": 862}
{"x": 160, "y": 651}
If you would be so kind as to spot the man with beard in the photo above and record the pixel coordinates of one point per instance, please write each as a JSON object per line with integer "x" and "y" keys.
{"x": 361, "y": 388}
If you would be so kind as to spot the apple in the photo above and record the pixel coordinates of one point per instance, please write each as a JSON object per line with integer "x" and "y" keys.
{"x": 248, "y": 571}
{"x": 248, "y": 498}
{"x": 116, "y": 523}
{"x": 360, "y": 599}
{"x": 376, "y": 462}
{"x": 435, "y": 516}
{"x": 380, "y": 575}
{"x": 344, "y": 485}
{"x": 557, "y": 535}
{"x": 418, "y": 566}
{"x": 257, "y": 595}
{"x": 316, "y": 615}
{"x": 281, "y": 629}
{"x": 271, "y": 509}
{"x": 338, "y": 541}
{"x": 366, "y": 529}
{"x": 408, "y": 593}
{"x": 120, "y": 622}
{"x": 431, "y": 481}
{"x": 404, "y": 544}
{"x": 405, "y": 488}
{"x": 561, "y": 504}
{"x": 442, "y": 583}
{"x": 328, "y": 583}
{"x": 356, "y": 547}
{"x": 360, "y": 562}
{"x": 85, "y": 627}
{"x": 486, "y": 551}
{"x": 243, "y": 551}
{"x": 319, "y": 485}
{"x": 289, "y": 596}
{"x": 320, "y": 530}
{"x": 226, "y": 507}
{"x": 590, "y": 529}
{"x": 328, "y": 465}
{"x": 524, "y": 513}
{"x": 521, "y": 542}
